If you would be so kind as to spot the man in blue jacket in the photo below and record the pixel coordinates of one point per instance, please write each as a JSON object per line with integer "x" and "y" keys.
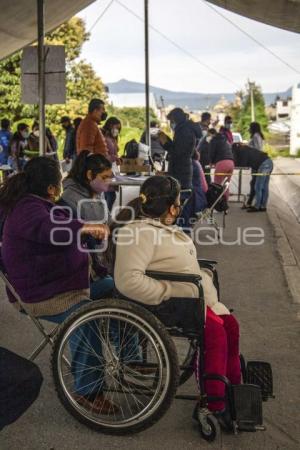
{"x": 5, "y": 138}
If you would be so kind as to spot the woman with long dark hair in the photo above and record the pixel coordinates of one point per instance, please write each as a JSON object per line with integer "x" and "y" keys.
{"x": 84, "y": 190}
{"x": 143, "y": 238}
{"x": 44, "y": 264}
{"x": 257, "y": 137}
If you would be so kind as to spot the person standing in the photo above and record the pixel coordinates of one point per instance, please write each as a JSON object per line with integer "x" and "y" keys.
{"x": 257, "y": 137}
{"x": 5, "y": 138}
{"x": 203, "y": 146}
{"x": 89, "y": 136}
{"x": 157, "y": 151}
{"x": 226, "y": 129}
{"x": 259, "y": 162}
{"x": 69, "y": 152}
{"x": 221, "y": 157}
{"x": 18, "y": 147}
{"x": 111, "y": 130}
{"x": 180, "y": 151}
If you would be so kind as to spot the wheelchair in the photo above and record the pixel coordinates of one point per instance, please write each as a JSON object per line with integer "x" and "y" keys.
{"x": 135, "y": 365}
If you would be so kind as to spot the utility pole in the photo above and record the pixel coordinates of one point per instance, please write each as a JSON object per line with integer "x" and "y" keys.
{"x": 251, "y": 88}
{"x": 147, "y": 86}
{"x": 41, "y": 74}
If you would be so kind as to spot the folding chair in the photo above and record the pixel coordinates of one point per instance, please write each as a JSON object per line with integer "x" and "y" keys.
{"x": 47, "y": 337}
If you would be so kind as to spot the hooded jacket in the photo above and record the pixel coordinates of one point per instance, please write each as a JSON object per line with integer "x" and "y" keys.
{"x": 219, "y": 149}
{"x": 180, "y": 151}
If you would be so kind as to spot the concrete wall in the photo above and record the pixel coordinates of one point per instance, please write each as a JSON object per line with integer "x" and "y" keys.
{"x": 295, "y": 121}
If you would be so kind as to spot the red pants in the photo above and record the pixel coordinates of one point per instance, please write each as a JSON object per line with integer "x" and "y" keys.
{"x": 221, "y": 354}
{"x": 226, "y": 166}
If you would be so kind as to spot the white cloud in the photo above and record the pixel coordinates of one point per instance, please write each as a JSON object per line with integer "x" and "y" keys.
{"x": 116, "y": 47}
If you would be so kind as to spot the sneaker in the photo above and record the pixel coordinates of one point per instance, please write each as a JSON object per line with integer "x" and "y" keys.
{"x": 253, "y": 209}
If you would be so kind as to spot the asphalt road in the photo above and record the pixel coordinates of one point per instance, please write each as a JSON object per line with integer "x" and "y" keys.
{"x": 252, "y": 282}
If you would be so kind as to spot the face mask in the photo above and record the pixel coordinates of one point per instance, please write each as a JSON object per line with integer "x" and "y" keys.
{"x": 115, "y": 132}
{"x": 204, "y": 133}
{"x": 36, "y": 133}
{"x": 103, "y": 116}
{"x": 173, "y": 126}
{"x": 99, "y": 186}
{"x": 25, "y": 134}
{"x": 208, "y": 139}
{"x": 228, "y": 126}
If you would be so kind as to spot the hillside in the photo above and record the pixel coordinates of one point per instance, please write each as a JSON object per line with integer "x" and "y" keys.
{"x": 192, "y": 100}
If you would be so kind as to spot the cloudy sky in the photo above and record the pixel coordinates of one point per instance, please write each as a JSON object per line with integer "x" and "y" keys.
{"x": 116, "y": 47}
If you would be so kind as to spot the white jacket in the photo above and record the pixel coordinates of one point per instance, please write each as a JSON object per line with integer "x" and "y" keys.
{"x": 150, "y": 245}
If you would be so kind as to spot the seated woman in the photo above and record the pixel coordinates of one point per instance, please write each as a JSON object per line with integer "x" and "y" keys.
{"x": 44, "y": 264}
{"x": 83, "y": 192}
{"x": 147, "y": 239}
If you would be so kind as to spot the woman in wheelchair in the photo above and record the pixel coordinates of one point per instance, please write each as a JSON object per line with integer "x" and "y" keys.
{"x": 145, "y": 238}
{"x": 42, "y": 260}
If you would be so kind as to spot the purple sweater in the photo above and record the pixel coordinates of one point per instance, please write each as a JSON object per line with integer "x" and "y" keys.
{"x": 37, "y": 268}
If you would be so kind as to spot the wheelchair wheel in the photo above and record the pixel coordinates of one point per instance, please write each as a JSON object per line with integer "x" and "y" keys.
{"x": 99, "y": 372}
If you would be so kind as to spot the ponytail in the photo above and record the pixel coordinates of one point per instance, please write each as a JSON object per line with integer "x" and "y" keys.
{"x": 39, "y": 173}
{"x": 12, "y": 190}
{"x": 158, "y": 193}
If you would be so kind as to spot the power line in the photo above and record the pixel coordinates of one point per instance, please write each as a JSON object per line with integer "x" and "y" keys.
{"x": 251, "y": 37}
{"x": 178, "y": 46}
{"x": 101, "y": 15}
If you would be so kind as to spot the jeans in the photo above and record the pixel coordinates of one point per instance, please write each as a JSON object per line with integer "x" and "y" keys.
{"x": 262, "y": 184}
{"x": 89, "y": 382}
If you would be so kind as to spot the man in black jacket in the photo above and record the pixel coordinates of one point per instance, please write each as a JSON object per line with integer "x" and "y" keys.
{"x": 70, "y": 145}
{"x": 181, "y": 148}
{"x": 180, "y": 151}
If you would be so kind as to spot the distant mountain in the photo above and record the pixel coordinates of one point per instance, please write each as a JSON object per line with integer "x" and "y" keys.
{"x": 191, "y": 100}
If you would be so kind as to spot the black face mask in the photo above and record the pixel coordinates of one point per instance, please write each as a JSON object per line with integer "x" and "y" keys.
{"x": 103, "y": 116}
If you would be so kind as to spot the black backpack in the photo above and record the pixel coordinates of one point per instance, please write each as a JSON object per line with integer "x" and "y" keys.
{"x": 131, "y": 150}
{"x": 213, "y": 193}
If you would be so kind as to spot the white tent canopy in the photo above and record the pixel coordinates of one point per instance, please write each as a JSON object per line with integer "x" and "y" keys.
{"x": 18, "y": 20}
{"x": 279, "y": 13}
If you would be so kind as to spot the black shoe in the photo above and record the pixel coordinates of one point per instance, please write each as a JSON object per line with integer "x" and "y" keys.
{"x": 253, "y": 209}
{"x": 224, "y": 419}
{"x": 263, "y": 209}
{"x": 245, "y": 206}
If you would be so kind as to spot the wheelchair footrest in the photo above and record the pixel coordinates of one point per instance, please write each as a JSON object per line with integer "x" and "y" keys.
{"x": 260, "y": 373}
{"x": 248, "y": 407}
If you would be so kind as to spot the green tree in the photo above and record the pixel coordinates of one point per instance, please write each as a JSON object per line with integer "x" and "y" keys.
{"x": 243, "y": 118}
{"x": 81, "y": 80}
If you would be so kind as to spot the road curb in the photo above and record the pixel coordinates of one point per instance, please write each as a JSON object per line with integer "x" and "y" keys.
{"x": 289, "y": 262}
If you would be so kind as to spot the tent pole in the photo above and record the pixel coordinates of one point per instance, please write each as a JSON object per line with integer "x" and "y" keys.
{"x": 41, "y": 73}
{"x": 147, "y": 87}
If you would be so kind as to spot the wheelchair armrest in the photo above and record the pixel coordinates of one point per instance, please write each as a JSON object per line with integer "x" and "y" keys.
{"x": 206, "y": 261}
{"x": 171, "y": 276}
